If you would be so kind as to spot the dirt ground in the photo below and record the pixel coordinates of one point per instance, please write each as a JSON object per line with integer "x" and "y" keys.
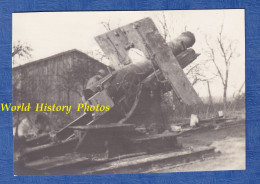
{"x": 230, "y": 141}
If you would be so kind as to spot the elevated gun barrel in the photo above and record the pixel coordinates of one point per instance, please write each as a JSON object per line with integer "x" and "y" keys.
{"x": 182, "y": 42}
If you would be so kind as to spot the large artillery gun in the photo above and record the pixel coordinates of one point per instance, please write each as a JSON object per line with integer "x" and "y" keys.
{"x": 133, "y": 93}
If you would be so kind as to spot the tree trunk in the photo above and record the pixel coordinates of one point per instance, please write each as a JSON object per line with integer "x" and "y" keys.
{"x": 225, "y": 90}
{"x": 210, "y": 96}
{"x": 209, "y": 109}
{"x": 225, "y": 99}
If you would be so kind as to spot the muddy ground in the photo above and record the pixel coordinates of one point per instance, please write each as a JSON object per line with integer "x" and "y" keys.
{"x": 230, "y": 141}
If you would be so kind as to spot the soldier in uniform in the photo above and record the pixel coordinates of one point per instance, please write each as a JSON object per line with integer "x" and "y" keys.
{"x": 43, "y": 122}
{"x": 90, "y": 87}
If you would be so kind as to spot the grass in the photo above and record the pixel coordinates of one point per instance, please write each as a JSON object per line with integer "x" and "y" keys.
{"x": 182, "y": 113}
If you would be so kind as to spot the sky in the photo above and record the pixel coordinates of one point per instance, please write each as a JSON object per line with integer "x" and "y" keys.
{"x": 49, "y": 33}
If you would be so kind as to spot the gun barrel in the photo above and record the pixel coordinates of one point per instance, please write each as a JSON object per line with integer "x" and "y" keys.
{"x": 182, "y": 42}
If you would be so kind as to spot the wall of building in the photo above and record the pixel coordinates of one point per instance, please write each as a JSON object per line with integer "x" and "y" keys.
{"x": 51, "y": 80}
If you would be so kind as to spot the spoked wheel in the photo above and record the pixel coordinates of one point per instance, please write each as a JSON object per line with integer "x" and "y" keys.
{"x": 132, "y": 89}
{"x": 131, "y": 86}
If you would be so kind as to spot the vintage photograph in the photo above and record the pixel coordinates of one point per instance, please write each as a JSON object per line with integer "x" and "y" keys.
{"x": 111, "y": 92}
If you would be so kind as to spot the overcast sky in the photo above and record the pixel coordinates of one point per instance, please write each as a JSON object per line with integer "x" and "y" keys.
{"x": 49, "y": 33}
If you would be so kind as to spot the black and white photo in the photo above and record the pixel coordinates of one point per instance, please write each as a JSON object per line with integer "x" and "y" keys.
{"x": 111, "y": 92}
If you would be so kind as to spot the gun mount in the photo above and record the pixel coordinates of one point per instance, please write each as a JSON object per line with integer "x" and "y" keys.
{"x": 133, "y": 92}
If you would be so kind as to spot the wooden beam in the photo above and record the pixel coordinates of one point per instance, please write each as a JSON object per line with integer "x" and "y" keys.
{"x": 144, "y": 36}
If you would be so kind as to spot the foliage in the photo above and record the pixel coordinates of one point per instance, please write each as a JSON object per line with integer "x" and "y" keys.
{"x": 21, "y": 50}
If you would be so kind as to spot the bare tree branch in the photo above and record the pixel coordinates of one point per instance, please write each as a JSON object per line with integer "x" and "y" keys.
{"x": 191, "y": 69}
{"x": 106, "y": 25}
{"x": 226, "y": 53}
{"x": 212, "y": 58}
{"x": 165, "y": 26}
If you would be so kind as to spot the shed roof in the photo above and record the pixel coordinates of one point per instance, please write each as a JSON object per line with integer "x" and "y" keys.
{"x": 55, "y": 56}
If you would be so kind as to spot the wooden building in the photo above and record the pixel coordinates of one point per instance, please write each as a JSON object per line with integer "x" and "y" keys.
{"x": 57, "y": 79}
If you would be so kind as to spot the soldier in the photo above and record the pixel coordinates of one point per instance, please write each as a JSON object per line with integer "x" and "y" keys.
{"x": 43, "y": 122}
{"x": 24, "y": 129}
{"x": 90, "y": 87}
{"x": 93, "y": 80}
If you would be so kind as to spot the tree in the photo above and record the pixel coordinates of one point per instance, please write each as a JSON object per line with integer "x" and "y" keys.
{"x": 99, "y": 55}
{"x": 106, "y": 25}
{"x": 164, "y": 26}
{"x": 21, "y": 50}
{"x": 223, "y": 51}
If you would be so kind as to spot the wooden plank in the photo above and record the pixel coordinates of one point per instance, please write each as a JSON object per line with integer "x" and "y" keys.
{"x": 157, "y": 136}
{"x": 119, "y": 40}
{"x": 74, "y": 161}
{"x": 105, "y": 126}
{"x": 144, "y": 35}
{"x": 141, "y": 163}
{"x": 49, "y": 163}
{"x": 167, "y": 62}
{"x": 106, "y": 43}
